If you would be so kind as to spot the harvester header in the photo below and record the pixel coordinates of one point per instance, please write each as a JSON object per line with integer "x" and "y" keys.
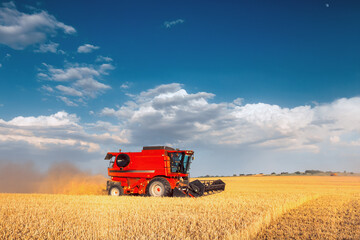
{"x": 156, "y": 171}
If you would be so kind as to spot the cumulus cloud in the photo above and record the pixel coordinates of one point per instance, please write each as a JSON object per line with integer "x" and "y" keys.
{"x": 56, "y": 130}
{"x": 78, "y": 82}
{"x": 60, "y": 119}
{"x": 170, "y": 24}
{"x": 87, "y": 48}
{"x": 168, "y": 113}
{"x": 221, "y": 132}
{"x": 19, "y": 30}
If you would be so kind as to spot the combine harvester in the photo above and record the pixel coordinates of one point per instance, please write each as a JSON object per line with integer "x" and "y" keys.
{"x": 156, "y": 171}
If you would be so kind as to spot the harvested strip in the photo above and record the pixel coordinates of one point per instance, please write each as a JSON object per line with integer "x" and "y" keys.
{"x": 328, "y": 217}
{"x": 269, "y": 216}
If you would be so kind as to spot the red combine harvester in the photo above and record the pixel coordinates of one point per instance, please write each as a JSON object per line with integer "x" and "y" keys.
{"x": 156, "y": 171}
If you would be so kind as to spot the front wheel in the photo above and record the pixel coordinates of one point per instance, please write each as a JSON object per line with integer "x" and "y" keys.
{"x": 116, "y": 191}
{"x": 158, "y": 187}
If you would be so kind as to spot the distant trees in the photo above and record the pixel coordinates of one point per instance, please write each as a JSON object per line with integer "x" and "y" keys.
{"x": 306, "y": 172}
{"x": 313, "y": 171}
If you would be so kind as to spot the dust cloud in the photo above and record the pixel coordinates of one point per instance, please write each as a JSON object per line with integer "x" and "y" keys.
{"x": 61, "y": 178}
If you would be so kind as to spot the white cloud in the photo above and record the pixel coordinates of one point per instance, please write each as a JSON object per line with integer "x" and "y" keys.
{"x": 69, "y": 91}
{"x": 59, "y": 119}
{"x": 54, "y": 131}
{"x": 168, "y": 113}
{"x": 80, "y": 82}
{"x": 70, "y": 73}
{"x": 42, "y": 75}
{"x": 49, "y": 47}
{"x": 105, "y": 67}
{"x": 334, "y": 139}
{"x": 238, "y": 101}
{"x": 19, "y": 30}
{"x": 67, "y": 101}
{"x": 47, "y": 88}
{"x": 170, "y": 24}
{"x": 110, "y": 112}
{"x": 87, "y": 48}
{"x": 222, "y": 134}
{"x": 162, "y": 89}
{"x": 0, "y": 65}
{"x": 125, "y": 85}
{"x": 91, "y": 87}
{"x": 103, "y": 59}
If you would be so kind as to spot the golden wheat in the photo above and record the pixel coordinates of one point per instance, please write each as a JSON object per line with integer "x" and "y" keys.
{"x": 328, "y": 217}
{"x": 243, "y": 211}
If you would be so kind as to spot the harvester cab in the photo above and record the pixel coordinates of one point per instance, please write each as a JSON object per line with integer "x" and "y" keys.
{"x": 156, "y": 171}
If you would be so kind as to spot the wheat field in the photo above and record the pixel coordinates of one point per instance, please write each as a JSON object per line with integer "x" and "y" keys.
{"x": 266, "y": 207}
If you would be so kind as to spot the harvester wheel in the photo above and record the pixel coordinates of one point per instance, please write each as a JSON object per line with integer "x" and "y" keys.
{"x": 158, "y": 187}
{"x": 116, "y": 190}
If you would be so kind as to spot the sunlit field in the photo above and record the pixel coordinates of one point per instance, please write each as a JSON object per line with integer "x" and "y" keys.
{"x": 266, "y": 207}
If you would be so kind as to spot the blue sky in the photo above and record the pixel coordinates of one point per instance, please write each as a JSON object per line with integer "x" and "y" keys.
{"x": 272, "y": 85}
